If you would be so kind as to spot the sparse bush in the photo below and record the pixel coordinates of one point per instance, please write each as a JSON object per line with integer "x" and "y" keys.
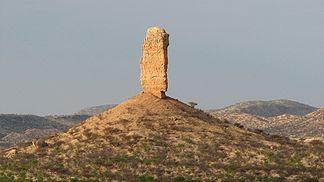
{"x": 77, "y": 180}
{"x": 238, "y": 125}
{"x": 123, "y": 158}
{"x": 5, "y": 179}
{"x": 271, "y": 178}
{"x": 192, "y": 104}
{"x": 232, "y": 167}
{"x": 309, "y": 179}
{"x": 179, "y": 179}
{"x": 144, "y": 178}
{"x": 258, "y": 131}
{"x": 316, "y": 142}
{"x": 151, "y": 160}
{"x": 182, "y": 179}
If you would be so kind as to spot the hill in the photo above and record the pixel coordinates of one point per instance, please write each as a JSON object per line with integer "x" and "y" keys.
{"x": 16, "y": 128}
{"x": 269, "y": 108}
{"x": 279, "y": 117}
{"x": 310, "y": 125}
{"x": 90, "y": 111}
{"x": 18, "y": 123}
{"x": 22, "y": 128}
{"x": 147, "y": 138}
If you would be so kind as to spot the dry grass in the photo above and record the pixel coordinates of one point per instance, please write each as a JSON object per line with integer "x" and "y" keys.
{"x": 146, "y": 139}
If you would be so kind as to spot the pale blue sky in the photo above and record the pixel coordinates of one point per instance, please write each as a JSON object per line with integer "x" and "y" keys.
{"x": 57, "y": 56}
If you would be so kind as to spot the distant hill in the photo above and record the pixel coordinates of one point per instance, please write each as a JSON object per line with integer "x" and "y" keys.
{"x": 280, "y": 117}
{"x": 269, "y": 108}
{"x": 19, "y": 123}
{"x": 67, "y": 120}
{"x": 310, "y": 125}
{"x": 21, "y": 128}
{"x": 94, "y": 110}
{"x": 25, "y": 136}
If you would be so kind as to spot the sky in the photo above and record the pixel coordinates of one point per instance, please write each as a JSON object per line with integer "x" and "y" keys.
{"x": 57, "y": 57}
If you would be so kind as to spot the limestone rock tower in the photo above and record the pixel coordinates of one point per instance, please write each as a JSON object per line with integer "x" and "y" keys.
{"x": 154, "y": 63}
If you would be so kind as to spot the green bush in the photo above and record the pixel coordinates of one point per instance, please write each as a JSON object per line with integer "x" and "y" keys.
{"x": 179, "y": 179}
{"x": 5, "y": 179}
{"x": 144, "y": 178}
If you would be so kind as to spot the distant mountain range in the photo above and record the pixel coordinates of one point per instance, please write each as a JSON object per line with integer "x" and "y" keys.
{"x": 280, "y": 117}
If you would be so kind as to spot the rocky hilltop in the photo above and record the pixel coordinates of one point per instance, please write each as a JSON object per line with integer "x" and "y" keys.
{"x": 154, "y": 138}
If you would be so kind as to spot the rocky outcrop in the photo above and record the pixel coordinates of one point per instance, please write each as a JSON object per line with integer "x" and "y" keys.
{"x": 154, "y": 63}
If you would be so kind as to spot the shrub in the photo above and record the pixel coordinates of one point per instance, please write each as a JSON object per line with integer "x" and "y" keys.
{"x": 5, "y": 179}
{"x": 144, "y": 178}
{"x": 179, "y": 179}
{"x": 238, "y": 125}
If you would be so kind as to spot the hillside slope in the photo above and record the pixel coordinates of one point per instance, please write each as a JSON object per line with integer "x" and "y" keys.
{"x": 310, "y": 125}
{"x": 294, "y": 126}
{"x": 147, "y": 138}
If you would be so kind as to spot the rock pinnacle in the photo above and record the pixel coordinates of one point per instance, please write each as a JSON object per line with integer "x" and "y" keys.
{"x": 154, "y": 63}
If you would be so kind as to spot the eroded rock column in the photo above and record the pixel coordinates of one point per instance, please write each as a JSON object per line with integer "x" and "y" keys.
{"x": 154, "y": 63}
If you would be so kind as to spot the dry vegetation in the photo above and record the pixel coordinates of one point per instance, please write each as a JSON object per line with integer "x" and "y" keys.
{"x": 25, "y": 128}
{"x": 151, "y": 139}
{"x": 310, "y": 125}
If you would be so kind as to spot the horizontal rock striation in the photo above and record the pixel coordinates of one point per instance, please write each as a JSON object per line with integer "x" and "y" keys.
{"x": 154, "y": 63}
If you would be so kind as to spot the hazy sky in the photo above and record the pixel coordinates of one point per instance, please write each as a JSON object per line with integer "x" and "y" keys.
{"x": 57, "y": 56}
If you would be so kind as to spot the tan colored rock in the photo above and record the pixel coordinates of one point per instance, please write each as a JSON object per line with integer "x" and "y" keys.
{"x": 154, "y": 63}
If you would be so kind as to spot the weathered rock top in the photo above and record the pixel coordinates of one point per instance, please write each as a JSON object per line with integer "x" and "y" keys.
{"x": 154, "y": 63}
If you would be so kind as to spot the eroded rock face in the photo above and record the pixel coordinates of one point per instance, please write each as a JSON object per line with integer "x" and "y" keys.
{"x": 154, "y": 63}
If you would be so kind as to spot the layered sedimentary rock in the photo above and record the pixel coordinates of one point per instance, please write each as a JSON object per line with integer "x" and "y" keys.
{"x": 154, "y": 63}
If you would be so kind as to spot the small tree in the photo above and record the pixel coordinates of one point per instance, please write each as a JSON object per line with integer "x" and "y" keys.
{"x": 192, "y": 104}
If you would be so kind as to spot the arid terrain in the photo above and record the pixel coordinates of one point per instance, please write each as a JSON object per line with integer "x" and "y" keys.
{"x": 288, "y": 118}
{"x": 16, "y": 128}
{"x": 22, "y": 128}
{"x": 90, "y": 111}
{"x": 153, "y": 137}
{"x": 279, "y": 117}
{"x": 148, "y": 138}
